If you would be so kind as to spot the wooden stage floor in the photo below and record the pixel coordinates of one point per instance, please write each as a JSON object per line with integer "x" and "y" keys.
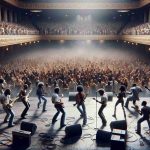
{"x": 87, "y": 140}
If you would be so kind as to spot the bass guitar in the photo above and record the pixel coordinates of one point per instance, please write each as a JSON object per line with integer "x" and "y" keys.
{"x": 82, "y": 101}
{"x": 11, "y": 102}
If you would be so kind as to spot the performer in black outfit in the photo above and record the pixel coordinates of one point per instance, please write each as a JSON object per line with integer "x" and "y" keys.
{"x": 23, "y": 95}
{"x": 120, "y": 100}
{"x": 145, "y": 111}
{"x": 56, "y": 100}
{"x": 103, "y": 103}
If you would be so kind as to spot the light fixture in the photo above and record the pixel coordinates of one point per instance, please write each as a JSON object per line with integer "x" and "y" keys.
{"x": 36, "y": 11}
{"x": 123, "y": 11}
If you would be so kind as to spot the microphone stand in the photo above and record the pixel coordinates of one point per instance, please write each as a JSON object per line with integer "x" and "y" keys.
{"x": 96, "y": 112}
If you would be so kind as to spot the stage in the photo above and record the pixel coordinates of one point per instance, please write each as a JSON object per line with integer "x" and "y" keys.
{"x": 49, "y": 137}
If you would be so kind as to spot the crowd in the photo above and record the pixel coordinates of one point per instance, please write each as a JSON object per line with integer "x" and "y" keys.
{"x": 92, "y": 73}
{"x": 137, "y": 29}
{"x": 7, "y": 28}
{"x": 74, "y": 28}
{"x": 79, "y": 28}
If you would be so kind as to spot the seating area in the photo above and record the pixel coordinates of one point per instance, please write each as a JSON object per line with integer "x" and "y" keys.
{"x": 7, "y": 28}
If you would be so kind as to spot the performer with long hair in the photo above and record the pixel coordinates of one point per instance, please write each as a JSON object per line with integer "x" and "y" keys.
{"x": 40, "y": 93}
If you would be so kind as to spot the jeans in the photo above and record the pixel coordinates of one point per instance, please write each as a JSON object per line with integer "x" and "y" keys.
{"x": 130, "y": 98}
{"x": 122, "y": 104}
{"x": 82, "y": 112}
{"x": 45, "y": 101}
{"x": 59, "y": 109}
{"x": 101, "y": 115}
{"x": 27, "y": 106}
{"x": 140, "y": 121}
{"x": 9, "y": 115}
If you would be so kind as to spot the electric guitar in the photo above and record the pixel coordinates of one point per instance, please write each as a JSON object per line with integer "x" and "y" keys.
{"x": 27, "y": 96}
{"x": 24, "y": 97}
{"x": 60, "y": 103}
{"x": 83, "y": 100}
{"x": 11, "y": 102}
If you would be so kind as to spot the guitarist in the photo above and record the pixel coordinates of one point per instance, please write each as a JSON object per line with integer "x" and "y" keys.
{"x": 5, "y": 101}
{"x": 80, "y": 97}
{"x": 23, "y": 95}
{"x": 145, "y": 111}
{"x": 103, "y": 102}
{"x": 40, "y": 94}
{"x": 58, "y": 104}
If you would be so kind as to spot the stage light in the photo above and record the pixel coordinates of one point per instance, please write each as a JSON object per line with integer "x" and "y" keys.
{"x": 123, "y": 11}
{"x": 7, "y": 49}
{"x": 35, "y": 11}
{"x": 21, "y": 44}
{"x": 34, "y": 42}
{"x": 124, "y": 41}
{"x": 132, "y": 43}
{"x": 62, "y": 41}
{"x": 88, "y": 41}
{"x": 136, "y": 43}
{"x": 25, "y": 43}
{"x": 101, "y": 41}
{"x": 149, "y": 49}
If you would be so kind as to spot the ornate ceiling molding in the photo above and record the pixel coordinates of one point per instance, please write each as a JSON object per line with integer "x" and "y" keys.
{"x": 75, "y": 5}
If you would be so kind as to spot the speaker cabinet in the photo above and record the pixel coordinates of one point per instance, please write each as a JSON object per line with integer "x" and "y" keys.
{"x": 110, "y": 96}
{"x": 21, "y": 139}
{"x": 103, "y": 137}
{"x": 26, "y": 126}
{"x": 72, "y": 96}
{"x": 117, "y": 143}
{"x": 73, "y": 131}
{"x": 119, "y": 124}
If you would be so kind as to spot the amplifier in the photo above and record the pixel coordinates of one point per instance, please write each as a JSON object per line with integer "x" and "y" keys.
{"x": 72, "y": 96}
{"x": 21, "y": 139}
{"x": 117, "y": 143}
{"x": 109, "y": 95}
{"x": 73, "y": 131}
{"x": 122, "y": 133}
{"x": 27, "y": 126}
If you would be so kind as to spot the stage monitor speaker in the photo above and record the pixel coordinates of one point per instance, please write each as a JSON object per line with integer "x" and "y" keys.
{"x": 103, "y": 137}
{"x": 110, "y": 96}
{"x": 72, "y": 96}
{"x": 73, "y": 131}
{"x": 122, "y": 133}
{"x": 27, "y": 126}
{"x": 119, "y": 124}
{"x": 117, "y": 143}
{"x": 21, "y": 139}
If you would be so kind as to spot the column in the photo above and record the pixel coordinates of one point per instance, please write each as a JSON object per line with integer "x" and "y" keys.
{"x": 5, "y": 15}
{"x": 15, "y": 17}
{"x": 0, "y": 14}
{"x": 149, "y": 15}
{"x": 11, "y": 16}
